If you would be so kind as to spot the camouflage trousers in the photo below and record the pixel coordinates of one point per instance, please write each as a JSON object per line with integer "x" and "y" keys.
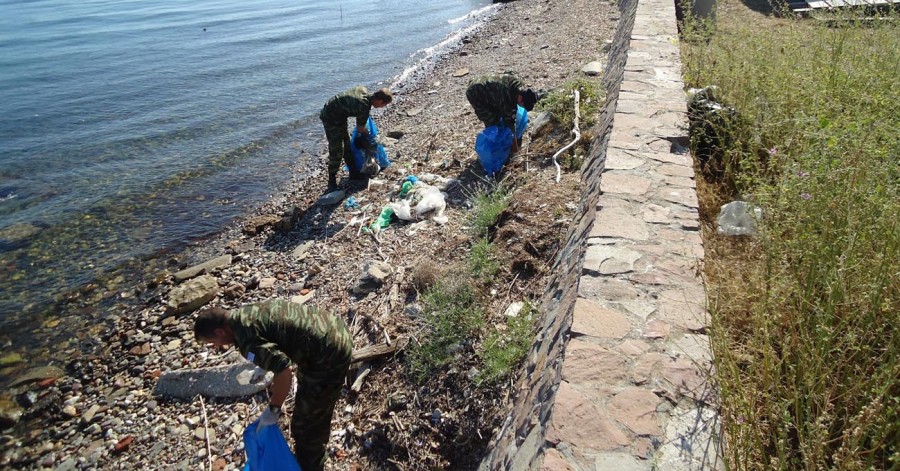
{"x": 338, "y": 146}
{"x": 317, "y": 392}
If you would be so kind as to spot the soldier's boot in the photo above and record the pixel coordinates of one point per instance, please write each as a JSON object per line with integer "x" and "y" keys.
{"x": 332, "y": 183}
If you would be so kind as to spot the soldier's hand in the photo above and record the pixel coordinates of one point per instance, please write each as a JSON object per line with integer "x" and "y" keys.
{"x": 268, "y": 417}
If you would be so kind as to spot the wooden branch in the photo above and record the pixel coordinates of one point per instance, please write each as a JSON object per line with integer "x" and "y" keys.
{"x": 374, "y": 352}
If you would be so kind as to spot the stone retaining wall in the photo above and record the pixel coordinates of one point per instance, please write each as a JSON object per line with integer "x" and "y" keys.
{"x": 519, "y": 443}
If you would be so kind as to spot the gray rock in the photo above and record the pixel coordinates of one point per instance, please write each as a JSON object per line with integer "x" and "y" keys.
{"x": 302, "y": 250}
{"x": 204, "y": 267}
{"x": 303, "y": 298}
{"x": 541, "y": 123}
{"x": 332, "y": 198}
{"x": 237, "y": 380}
{"x": 373, "y": 277}
{"x": 37, "y": 374}
{"x": 593, "y": 68}
{"x": 193, "y": 294}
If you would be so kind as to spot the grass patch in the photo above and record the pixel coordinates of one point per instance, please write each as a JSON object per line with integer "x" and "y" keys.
{"x": 507, "y": 345}
{"x": 452, "y": 315}
{"x": 806, "y": 316}
{"x": 488, "y": 204}
{"x": 482, "y": 263}
{"x": 560, "y": 103}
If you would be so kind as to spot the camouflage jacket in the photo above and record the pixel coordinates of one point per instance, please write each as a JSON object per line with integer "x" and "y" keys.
{"x": 355, "y": 102}
{"x": 496, "y": 97}
{"x": 275, "y": 333}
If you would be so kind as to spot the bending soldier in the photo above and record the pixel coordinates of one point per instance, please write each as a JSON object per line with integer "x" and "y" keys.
{"x": 274, "y": 334}
{"x": 494, "y": 98}
{"x": 354, "y": 103}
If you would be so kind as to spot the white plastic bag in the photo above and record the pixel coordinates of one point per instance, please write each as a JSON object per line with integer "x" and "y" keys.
{"x": 735, "y": 219}
{"x": 431, "y": 200}
{"x": 401, "y": 210}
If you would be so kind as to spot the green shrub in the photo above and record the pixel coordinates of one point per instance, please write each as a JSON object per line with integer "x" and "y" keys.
{"x": 482, "y": 263}
{"x": 560, "y": 103}
{"x": 506, "y": 346}
{"x": 488, "y": 205}
{"x": 452, "y": 315}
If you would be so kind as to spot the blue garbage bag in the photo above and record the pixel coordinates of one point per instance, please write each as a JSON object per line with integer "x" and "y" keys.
{"x": 521, "y": 121}
{"x": 267, "y": 450}
{"x": 492, "y": 146}
{"x": 359, "y": 155}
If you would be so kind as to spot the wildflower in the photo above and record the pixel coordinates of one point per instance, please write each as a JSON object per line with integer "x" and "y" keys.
{"x": 773, "y": 151}
{"x": 802, "y": 174}
{"x": 806, "y": 196}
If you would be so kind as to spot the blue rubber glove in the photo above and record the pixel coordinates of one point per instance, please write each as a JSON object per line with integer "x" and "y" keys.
{"x": 268, "y": 417}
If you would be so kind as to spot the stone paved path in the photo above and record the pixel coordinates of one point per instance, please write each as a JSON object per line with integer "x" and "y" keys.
{"x": 634, "y": 394}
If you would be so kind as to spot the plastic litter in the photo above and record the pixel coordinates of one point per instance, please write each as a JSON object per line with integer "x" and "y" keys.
{"x": 412, "y": 179}
{"x": 351, "y": 203}
{"x": 404, "y": 189}
{"x": 431, "y": 200}
{"x": 267, "y": 450}
{"x": 738, "y": 218}
{"x": 331, "y": 198}
{"x": 402, "y": 210}
{"x": 383, "y": 220}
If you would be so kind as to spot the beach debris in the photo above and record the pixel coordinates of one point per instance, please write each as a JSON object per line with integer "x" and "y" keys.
{"x": 235, "y": 380}
{"x": 330, "y": 199}
{"x": 204, "y": 267}
{"x": 193, "y": 294}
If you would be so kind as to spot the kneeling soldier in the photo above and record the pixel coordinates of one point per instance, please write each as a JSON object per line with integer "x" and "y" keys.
{"x": 275, "y": 333}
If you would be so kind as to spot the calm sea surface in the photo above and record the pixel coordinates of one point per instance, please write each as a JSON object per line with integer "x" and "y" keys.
{"x": 129, "y": 128}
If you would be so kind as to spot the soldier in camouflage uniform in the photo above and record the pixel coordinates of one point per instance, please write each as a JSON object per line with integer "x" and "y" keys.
{"x": 354, "y": 103}
{"x": 274, "y": 334}
{"x": 494, "y": 97}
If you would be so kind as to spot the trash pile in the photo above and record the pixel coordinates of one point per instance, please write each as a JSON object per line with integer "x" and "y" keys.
{"x": 415, "y": 200}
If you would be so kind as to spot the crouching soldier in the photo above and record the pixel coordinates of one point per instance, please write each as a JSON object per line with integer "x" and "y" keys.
{"x": 274, "y": 334}
{"x": 495, "y": 97}
{"x": 354, "y": 103}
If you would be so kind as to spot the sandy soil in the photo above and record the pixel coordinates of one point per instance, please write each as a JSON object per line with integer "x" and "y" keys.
{"x": 102, "y": 413}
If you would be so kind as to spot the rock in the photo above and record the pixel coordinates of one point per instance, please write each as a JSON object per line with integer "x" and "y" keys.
{"x": 193, "y": 294}
{"x": 141, "y": 350}
{"x": 302, "y": 250}
{"x": 93, "y": 429}
{"x": 413, "y": 112}
{"x": 286, "y": 224}
{"x": 17, "y": 235}
{"x": 303, "y": 298}
{"x": 70, "y": 411}
{"x": 170, "y": 320}
{"x": 204, "y": 267}
{"x": 373, "y": 277}
{"x": 237, "y": 380}
{"x": 395, "y": 134}
{"x": 203, "y": 433}
{"x": 593, "y": 68}
{"x": 461, "y": 72}
{"x": 88, "y": 416}
{"x": 234, "y": 291}
{"x": 10, "y": 413}
{"x": 541, "y": 123}
{"x": 219, "y": 464}
{"x": 38, "y": 374}
{"x": 11, "y": 359}
{"x": 258, "y": 224}
{"x": 267, "y": 283}
{"x": 173, "y": 345}
{"x": 123, "y": 444}
{"x": 330, "y": 199}
{"x": 514, "y": 309}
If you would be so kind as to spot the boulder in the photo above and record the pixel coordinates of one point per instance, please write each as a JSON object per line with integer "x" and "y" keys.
{"x": 204, "y": 267}
{"x": 235, "y": 380}
{"x": 593, "y": 68}
{"x": 193, "y": 294}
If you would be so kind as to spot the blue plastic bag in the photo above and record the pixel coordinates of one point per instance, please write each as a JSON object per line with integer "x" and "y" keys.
{"x": 521, "y": 121}
{"x": 359, "y": 155}
{"x": 267, "y": 450}
{"x": 492, "y": 144}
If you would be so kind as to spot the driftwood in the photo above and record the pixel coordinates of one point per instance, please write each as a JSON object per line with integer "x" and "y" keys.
{"x": 374, "y": 352}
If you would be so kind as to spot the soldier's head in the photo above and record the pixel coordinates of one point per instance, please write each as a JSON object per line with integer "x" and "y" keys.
{"x": 382, "y": 98}
{"x": 527, "y": 99}
{"x": 212, "y": 327}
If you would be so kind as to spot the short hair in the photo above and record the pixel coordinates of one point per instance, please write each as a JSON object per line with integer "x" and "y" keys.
{"x": 208, "y": 320}
{"x": 384, "y": 95}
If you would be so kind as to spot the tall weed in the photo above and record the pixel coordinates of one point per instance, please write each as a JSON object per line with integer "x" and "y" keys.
{"x": 806, "y": 317}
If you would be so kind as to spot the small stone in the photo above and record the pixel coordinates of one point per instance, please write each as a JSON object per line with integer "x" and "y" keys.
{"x": 93, "y": 429}
{"x": 593, "y": 68}
{"x": 88, "y": 416}
{"x": 11, "y": 359}
{"x": 220, "y": 464}
{"x": 168, "y": 321}
{"x": 70, "y": 411}
{"x": 267, "y": 283}
{"x": 141, "y": 350}
{"x": 123, "y": 444}
{"x": 461, "y": 72}
{"x": 202, "y": 433}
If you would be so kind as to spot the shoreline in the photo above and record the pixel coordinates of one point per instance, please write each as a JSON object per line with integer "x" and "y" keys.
{"x": 139, "y": 344}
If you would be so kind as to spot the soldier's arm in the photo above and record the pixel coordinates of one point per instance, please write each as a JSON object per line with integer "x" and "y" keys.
{"x": 281, "y": 386}
{"x": 266, "y": 355}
